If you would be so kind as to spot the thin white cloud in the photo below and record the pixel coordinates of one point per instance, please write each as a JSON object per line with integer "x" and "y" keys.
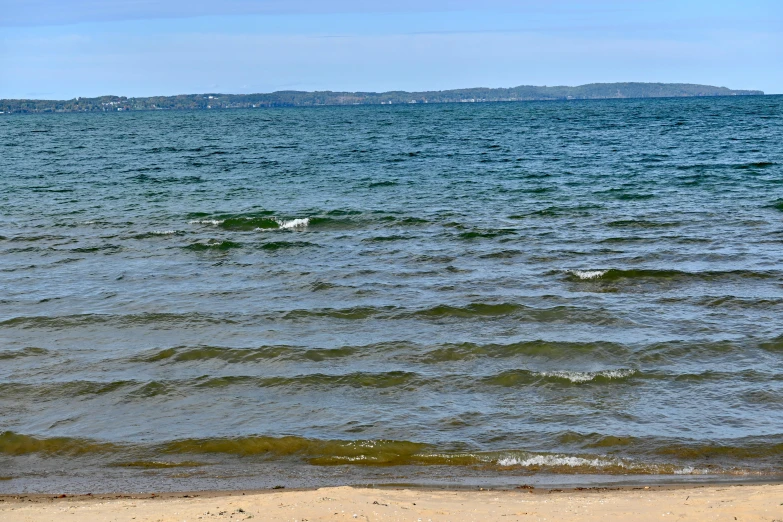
{"x": 60, "y": 12}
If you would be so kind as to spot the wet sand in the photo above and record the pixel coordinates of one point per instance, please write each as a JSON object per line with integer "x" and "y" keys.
{"x": 739, "y": 502}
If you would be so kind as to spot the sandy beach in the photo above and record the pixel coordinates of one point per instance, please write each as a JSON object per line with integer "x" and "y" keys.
{"x": 741, "y": 503}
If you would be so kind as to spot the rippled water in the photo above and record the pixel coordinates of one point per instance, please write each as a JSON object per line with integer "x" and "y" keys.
{"x": 391, "y": 294}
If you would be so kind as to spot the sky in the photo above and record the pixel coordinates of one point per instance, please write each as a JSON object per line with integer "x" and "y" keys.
{"x": 61, "y": 49}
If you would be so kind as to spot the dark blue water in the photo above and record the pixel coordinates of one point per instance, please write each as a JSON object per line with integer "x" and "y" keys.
{"x": 361, "y": 293}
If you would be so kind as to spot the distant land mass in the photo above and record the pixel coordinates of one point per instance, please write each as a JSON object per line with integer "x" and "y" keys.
{"x": 591, "y": 91}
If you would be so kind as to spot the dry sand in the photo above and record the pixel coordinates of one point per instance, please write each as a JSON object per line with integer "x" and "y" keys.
{"x": 741, "y": 503}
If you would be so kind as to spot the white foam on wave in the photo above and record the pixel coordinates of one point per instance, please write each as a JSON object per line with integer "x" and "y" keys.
{"x": 589, "y": 376}
{"x": 283, "y": 224}
{"x": 599, "y": 462}
{"x": 213, "y": 222}
{"x": 163, "y": 232}
{"x": 559, "y": 460}
{"x": 293, "y": 223}
{"x": 588, "y": 274}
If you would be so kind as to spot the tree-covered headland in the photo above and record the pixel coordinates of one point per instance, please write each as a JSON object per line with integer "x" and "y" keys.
{"x": 593, "y": 91}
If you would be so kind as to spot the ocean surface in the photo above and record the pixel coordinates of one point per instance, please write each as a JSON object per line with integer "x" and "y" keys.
{"x": 538, "y": 292}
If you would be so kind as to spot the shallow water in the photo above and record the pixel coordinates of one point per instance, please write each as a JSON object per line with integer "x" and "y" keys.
{"x": 353, "y": 293}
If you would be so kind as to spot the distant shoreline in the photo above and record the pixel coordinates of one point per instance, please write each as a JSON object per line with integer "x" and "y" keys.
{"x": 209, "y": 101}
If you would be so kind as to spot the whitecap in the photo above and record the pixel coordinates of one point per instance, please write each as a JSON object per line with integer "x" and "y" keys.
{"x": 293, "y": 223}
{"x": 578, "y": 377}
{"x": 213, "y": 222}
{"x": 589, "y": 274}
{"x": 163, "y": 232}
{"x": 559, "y": 460}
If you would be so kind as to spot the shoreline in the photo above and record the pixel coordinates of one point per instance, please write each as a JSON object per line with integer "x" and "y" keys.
{"x": 234, "y": 480}
{"x": 694, "y": 502}
{"x": 426, "y": 488}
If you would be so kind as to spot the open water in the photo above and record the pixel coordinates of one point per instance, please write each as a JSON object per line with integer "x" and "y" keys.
{"x": 491, "y": 293}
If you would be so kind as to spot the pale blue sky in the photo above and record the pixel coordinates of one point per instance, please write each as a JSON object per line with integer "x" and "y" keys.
{"x": 68, "y": 48}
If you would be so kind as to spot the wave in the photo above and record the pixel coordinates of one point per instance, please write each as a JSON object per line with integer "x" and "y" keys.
{"x": 747, "y": 376}
{"x": 342, "y": 222}
{"x": 323, "y": 285}
{"x": 503, "y": 254}
{"x": 653, "y": 354}
{"x": 628, "y": 454}
{"x": 56, "y": 390}
{"x": 391, "y": 379}
{"x": 472, "y": 310}
{"x": 108, "y": 248}
{"x": 35, "y": 238}
{"x": 213, "y": 245}
{"x": 158, "y": 233}
{"x": 554, "y": 461}
{"x": 213, "y": 222}
{"x": 689, "y": 458}
{"x": 372, "y": 453}
{"x": 773, "y": 345}
{"x": 254, "y": 223}
{"x": 589, "y": 274}
{"x": 514, "y": 378}
{"x": 293, "y": 223}
{"x": 561, "y": 211}
{"x": 358, "y": 220}
{"x": 669, "y": 352}
{"x": 565, "y": 314}
{"x": 580, "y": 377}
{"x": 752, "y": 449}
{"x": 642, "y": 223}
{"x": 624, "y": 239}
{"x": 129, "y": 320}
{"x": 249, "y": 223}
{"x": 353, "y": 313}
{"x": 26, "y": 352}
{"x": 157, "y": 464}
{"x": 144, "y": 178}
{"x": 398, "y": 380}
{"x": 381, "y": 239}
{"x": 614, "y": 275}
{"x": 649, "y": 355}
{"x": 544, "y": 315}
{"x": 509, "y": 379}
{"x": 631, "y": 196}
{"x": 245, "y": 355}
{"x": 284, "y": 245}
{"x": 737, "y": 303}
{"x": 487, "y": 234}
{"x": 330, "y": 220}
{"x": 596, "y": 440}
{"x": 316, "y": 451}
{"x": 706, "y": 167}
{"x": 552, "y": 350}
{"x": 755, "y": 165}
{"x": 16, "y": 445}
